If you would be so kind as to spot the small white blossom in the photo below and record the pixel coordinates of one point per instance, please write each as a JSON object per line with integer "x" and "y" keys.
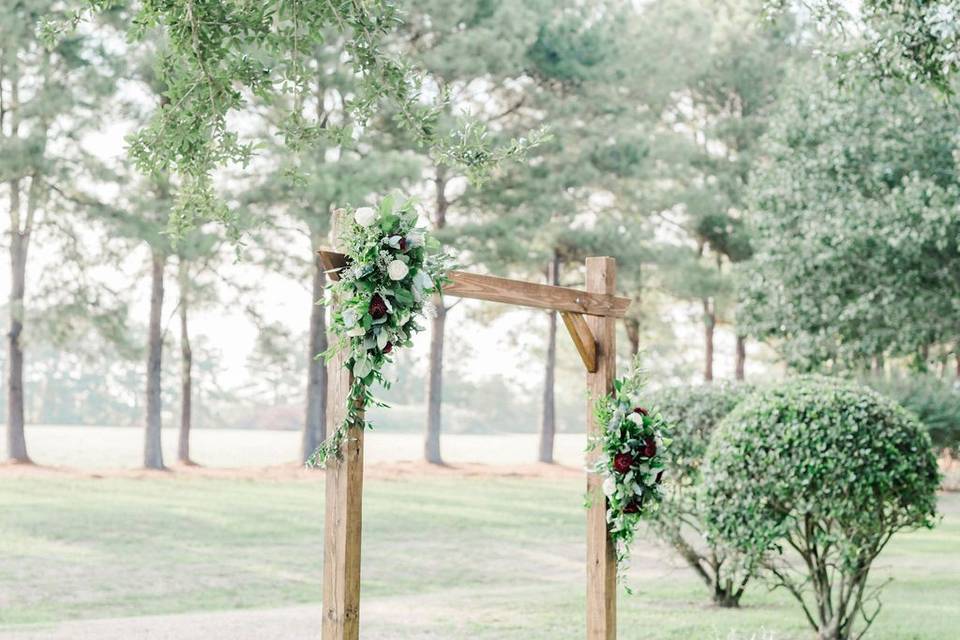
{"x": 636, "y": 419}
{"x": 609, "y": 486}
{"x": 365, "y": 216}
{"x": 397, "y": 270}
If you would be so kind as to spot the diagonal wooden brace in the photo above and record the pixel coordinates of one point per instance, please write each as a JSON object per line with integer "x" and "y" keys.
{"x": 582, "y": 338}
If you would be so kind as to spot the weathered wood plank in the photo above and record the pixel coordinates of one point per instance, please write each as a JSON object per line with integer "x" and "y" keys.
{"x": 601, "y": 556}
{"x": 525, "y": 294}
{"x": 582, "y": 337}
{"x": 343, "y": 512}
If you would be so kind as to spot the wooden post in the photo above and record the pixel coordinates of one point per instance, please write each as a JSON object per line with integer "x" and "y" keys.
{"x": 343, "y": 511}
{"x": 601, "y": 556}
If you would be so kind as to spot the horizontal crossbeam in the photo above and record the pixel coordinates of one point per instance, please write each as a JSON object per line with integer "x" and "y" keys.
{"x": 525, "y": 294}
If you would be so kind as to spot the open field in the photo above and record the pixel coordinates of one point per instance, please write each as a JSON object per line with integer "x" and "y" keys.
{"x": 122, "y": 447}
{"x": 445, "y": 557}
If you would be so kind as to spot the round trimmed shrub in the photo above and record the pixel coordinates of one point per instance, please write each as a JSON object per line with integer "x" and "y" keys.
{"x": 693, "y": 413}
{"x": 811, "y": 479}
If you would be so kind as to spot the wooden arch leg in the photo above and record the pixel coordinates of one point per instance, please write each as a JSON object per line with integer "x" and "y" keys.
{"x": 342, "y": 520}
{"x": 601, "y": 556}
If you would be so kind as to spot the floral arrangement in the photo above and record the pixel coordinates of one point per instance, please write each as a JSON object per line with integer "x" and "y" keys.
{"x": 393, "y": 268}
{"x": 631, "y": 460}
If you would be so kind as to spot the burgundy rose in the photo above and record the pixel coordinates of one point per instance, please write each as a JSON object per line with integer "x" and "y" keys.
{"x": 387, "y": 348}
{"x": 622, "y": 462}
{"x": 641, "y": 411}
{"x": 403, "y": 244}
{"x": 635, "y": 506}
{"x": 649, "y": 447}
{"x": 378, "y": 307}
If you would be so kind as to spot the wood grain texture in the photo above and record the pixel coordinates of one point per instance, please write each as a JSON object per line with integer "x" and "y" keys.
{"x": 343, "y": 509}
{"x": 582, "y": 337}
{"x": 601, "y": 556}
{"x": 525, "y": 294}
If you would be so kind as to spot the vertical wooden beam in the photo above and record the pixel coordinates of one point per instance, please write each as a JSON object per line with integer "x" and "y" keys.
{"x": 343, "y": 510}
{"x": 601, "y": 556}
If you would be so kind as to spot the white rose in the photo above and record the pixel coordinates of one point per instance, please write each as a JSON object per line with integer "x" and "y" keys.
{"x": 609, "y": 486}
{"x": 397, "y": 270}
{"x": 365, "y": 216}
{"x": 636, "y": 419}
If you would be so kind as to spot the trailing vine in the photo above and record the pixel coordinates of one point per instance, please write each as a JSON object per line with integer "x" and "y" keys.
{"x": 393, "y": 269}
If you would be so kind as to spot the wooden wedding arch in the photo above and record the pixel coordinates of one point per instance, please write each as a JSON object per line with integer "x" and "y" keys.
{"x": 590, "y": 318}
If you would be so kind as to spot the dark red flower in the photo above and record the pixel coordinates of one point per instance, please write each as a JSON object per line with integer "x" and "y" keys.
{"x": 649, "y": 447}
{"x": 387, "y": 348}
{"x": 622, "y": 462}
{"x": 641, "y": 411}
{"x": 403, "y": 244}
{"x": 378, "y": 308}
{"x": 633, "y": 507}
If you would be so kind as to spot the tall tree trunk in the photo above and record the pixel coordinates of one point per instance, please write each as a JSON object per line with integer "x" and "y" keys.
{"x": 186, "y": 366}
{"x": 431, "y": 445}
{"x": 548, "y": 417}
{"x": 740, "y": 365}
{"x": 879, "y": 364}
{"x": 314, "y": 425}
{"x": 709, "y": 325}
{"x": 16, "y": 438}
{"x": 152, "y": 448}
{"x": 632, "y": 325}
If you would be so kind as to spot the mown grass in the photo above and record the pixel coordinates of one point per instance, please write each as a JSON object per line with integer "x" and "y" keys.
{"x": 475, "y": 558}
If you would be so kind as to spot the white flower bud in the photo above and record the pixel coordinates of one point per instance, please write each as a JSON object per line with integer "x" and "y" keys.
{"x": 365, "y": 216}
{"x": 397, "y": 270}
{"x": 609, "y": 486}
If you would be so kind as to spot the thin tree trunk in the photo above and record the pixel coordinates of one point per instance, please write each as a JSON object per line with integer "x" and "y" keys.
{"x": 186, "y": 367}
{"x": 878, "y": 364}
{"x": 16, "y": 438}
{"x": 548, "y": 418}
{"x": 709, "y": 325}
{"x": 314, "y": 425}
{"x": 431, "y": 445}
{"x": 19, "y": 244}
{"x": 152, "y": 448}
{"x": 632, "y": 325}
{"x": 740, "y": 366}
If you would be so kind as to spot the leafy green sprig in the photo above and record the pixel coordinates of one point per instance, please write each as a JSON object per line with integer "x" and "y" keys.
{"x": 631, "y": 460}
{"x": 393, "y": 269}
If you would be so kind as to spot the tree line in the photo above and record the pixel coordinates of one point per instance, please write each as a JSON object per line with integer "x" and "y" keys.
{"x": 799, "y": 202}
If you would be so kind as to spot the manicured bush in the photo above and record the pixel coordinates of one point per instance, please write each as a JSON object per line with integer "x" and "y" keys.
{"x": 693, "y": 412}
{"x": 936, "y": 402}
{"x": 811, "y": 479}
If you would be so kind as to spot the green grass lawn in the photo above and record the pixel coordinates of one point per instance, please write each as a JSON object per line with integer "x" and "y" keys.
{"x": 475, "y": 558}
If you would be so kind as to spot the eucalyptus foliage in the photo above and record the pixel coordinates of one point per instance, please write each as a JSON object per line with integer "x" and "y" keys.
{"x": 693, "y": 413}
{"x": 393, "y": 267}
{"x": 812, "y": 479}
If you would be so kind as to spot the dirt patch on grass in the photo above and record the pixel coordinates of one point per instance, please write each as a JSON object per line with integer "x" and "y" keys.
{"x": 293, "y": 471}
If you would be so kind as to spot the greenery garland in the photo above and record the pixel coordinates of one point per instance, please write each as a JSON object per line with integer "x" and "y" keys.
{"x": 393, "y": 268}
{"x": 631, "y": 460}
